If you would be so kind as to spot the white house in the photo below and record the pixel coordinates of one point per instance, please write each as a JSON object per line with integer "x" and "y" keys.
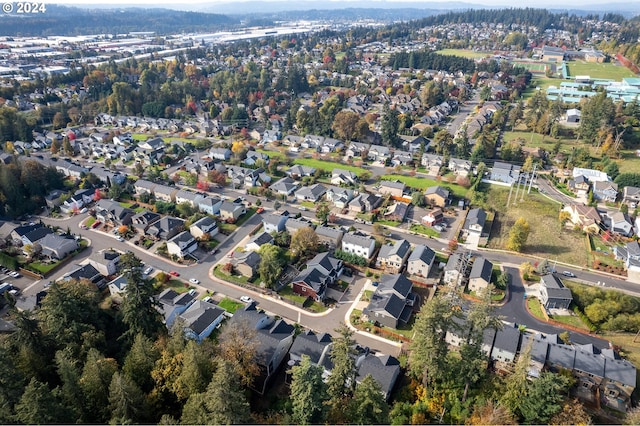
{"x": 358, "y": 244}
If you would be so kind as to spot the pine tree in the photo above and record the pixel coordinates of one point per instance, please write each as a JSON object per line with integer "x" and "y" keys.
{"x": 308, "y": 393}
{"x": 127, "y": 403}
{"x": 225, "y": 399}
{"x": 341, "y": 382}
{"x": 140, "y": 361}
{"x": 368, "y": 405}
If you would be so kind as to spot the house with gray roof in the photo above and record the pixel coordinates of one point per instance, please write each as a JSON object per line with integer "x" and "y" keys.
{"x": 165, "y": 193}
{"x": 210, "y": 205}
{"x": 171, "y": 304}
{"x": 401, "y": 158}
{"x": 285, "y": 186}
{"x": 274, "y": 222}
{"x": 437, "y": 196}
{"x": 432, "y": 161}
{"x": 505, "y": 173}
{"x": 105, "y": 261}
{"x": 393, "y": 187}
{"x": 358, "y": 244}
{"x": 343, "y": 177}
{"x": 331, "y": 237}
{"x": 474, "y": 223}
{"x": 144, "y": 186}
{"x": 258, "y": 241}
{"x": 392, "y": 257}
{"x": 455, "y": 270}
{"x": 631, "y": 196}
{"x": 553, "y": 293}
{"x": 109, "y": 211}
{"x": 356, "y": 149}
{"x": 605, "y": 191}
{"x": 223, "y": 154}
{"x": 340, "y": 197}
{"x": 253, "y": 158}
{"x": 182, "y": 245}
{"x": 191, "y": 198}
{"x": 378, "y": 153}
{"x": 384, "y": 369}
{"x": 85, "y": 272}
{"x": 313, "y": 193}
{"x": 200, "y": 319}
{"x": 141, "y": 221}
{"x": 480, "y": 276}
{"x": 321, "y": 271}
{"x": 364, "y": 203}
{"x": 204, "y": 226}
{"x": 392, "y": 302}
{"x": 506, "y": 344}
{"x": 274, "y": 338}
{"x": 246, "y": 264}
{"x": 57, "y": 247}
{"x": 292, "y": 225}
{"x": 316, "y": 346}
{"x": 420, "y": 261}
{"x": 166, "y": 228}
{"x": 298, "y": 172}
{"x": 460, "y": 167}
{"x": 231, "y": 211}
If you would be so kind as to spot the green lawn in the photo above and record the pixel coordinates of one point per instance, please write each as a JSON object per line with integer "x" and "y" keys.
{"x": 230, "y": 305}
{"x": 425, "y": 230}
{"x": 272, "y": 154}
{"x": 42, "y": 268}
{"x": 421, "y": 183}
{"x": 328, "y": 165}
{"x": 607, "y": 70}
{"x": 388, "y": 222}
{"x": 630, "y": 162}
{"x": 532, "y": 139}
{"x": 572, "y": 320}
{"x": 177, "y": 285}
{"x": 465, "y": 53}
{"x": 238, "y": 279}
{"x": 540, "y": 82}
{"x": 90, "y": 221}
{"x": 534, "y": 306}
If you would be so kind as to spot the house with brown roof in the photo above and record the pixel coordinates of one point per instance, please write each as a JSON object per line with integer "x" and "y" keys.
{"x": 586, "y": 218}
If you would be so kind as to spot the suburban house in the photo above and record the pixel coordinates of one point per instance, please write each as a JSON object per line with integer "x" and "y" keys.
{"x": 505, "y": 173}
{"x": 343, "y": 177}
{"x": 143, "y": 187}
{"x": 378, "y": 153}
{"x": 553, "y": 293}
{"x": 460, "y": 167}
{"x": 274, "y": 222}
{"x": 391, "y": 257}
{"x": 313, "y": 193}
{"x": 35, "y": 235}
{"x": 316, "y": 346}
{"x": 437, "y": 196}
{"x": 397, "y": 212}
{"x": 420, "y": 261}
{"x": 205, "y": 226}
{"x": 330, "y": 237}
{"x": 200, "y": 319}
{"x": 506, "y": 344}
{"x": 630, "y": 255}
{"x": 455, "y": 271}
{"x": 117, "y": 288}
{"x": 631, "y": 196}
{"x": 586, "y": 218}
{"x": 285, "y": 186}
{"x": 274, "y": 338}
{"x": 364, "y": 203}
{"x": 357, "y": 149}
{"x": 579, "y": 185}
{"x": 171, "y": 304}
{"x": 258, "y": 241}
{"x": 165, "y": 193}
{"x": 56, "y": 246}
{"x": 188, "y": 197}
{"x": 392, "y": 302}
{"x": 182, "y": 245}
{"x": 432, "y": 162}
{"x": 358, "y": 244}
{"x": 475, "y": 221}
{"x": 141, "y": 221}
{"x": 247, "y": 263}
{"x": 590, "y": 174}
{"x": 166, "y": 228}
{"x": 620, "y": 223}
{"x": 106, "y": 262}
{"x": 293, "y": 225}
{"x": 223, "y": 154}
{"x": 384, "y": 369}
{"x": 297, "y": 171}
{"x": 210, "y": 205}
{"x": 85, "y": 272}
{"x": 109, "y": 211}
{"x": 340, "y": 197}
{"x": 322, "y": 271}
{"x": 401, "y": 158}
{"x": 480, "y": 276}
{"x": 415, "y": 143}
{"x": 231, "y": 211}
{"x": 393, "y": 187}
{"x": 605, "y": 191}
{"x": 433, "y": 217}
{"x": 254, "y": 158}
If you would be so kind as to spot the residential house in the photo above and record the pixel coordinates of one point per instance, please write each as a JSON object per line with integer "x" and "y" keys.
{"x": 340, "y": 197}
{"x": 322, "y": 271}
{"x": 255, "y": 158}
{"x": 432, "y": 162}
{"x": 392, "y": 257}
{"x": 630, "y": 255}
{"x": 182, "y": 245}
{"x": 200, "y": 319}
{"x": 57, "y": 247}
{"x": 330, "y": 237}
{"x": 480, "y": 276}
{"x": 343, "y": 177}
{"x": 165, "y": 193}
{"x": 78, "y": 200}
{"x": 553, "y": 293}
{"x": 316, "y": 346}
{"x": 364, "y": 203}
{"x": 331, "y": 145}
{"x": 455, "y": 271}
{"x": 420, "y": 261}
{"x": 17, "y": 232}
{"x": 506, "y": 344}
{"x": 85, "y": 273}
{"x": 573, "y": 115}
{"x": 152, "y": 144}
{"x": 34, "y": 236}
{"x": 274, "y": 222}
{"x": 285, "y": 186}
{"x": 274, "y": 338}
{"x": 358, "y": 244}
{"x": 474, "y": 223}
{"x": 141, "y": 221}
{"x": 378, "y": 153}
{"x": 460, "y": 167}
{"x": 586, "y": 218}
{"x": 605, "y": 191}
{"x": 393, "y": 187}
{"x": 106, "y": 262}
{"x": 579, "y": 185}
{"x": 293, "y": 225}
{"x": 384, "y": 369}
{"x": 505, "y": 173}
{"x": 620, "y": 223}
{"x": 298, "y": 172}
{"x": 258, "y": 240}
{"x": 392, "y": 302}
{"x": 271, "y": 136}
{"x": 223, "y": 154}
{"x": 117, "y": 288}
{"x": 357, "y": 150}
{"x": 231, "y": 211}
{"x": 144, "y": 187}
{"x": 210, "y": 205}
{"x": 171, "y": 304}
{"x": 54, "y": 198}
{"x": 206, "y": 227}
{"x": 631, "y": 196}
{"x": 433, "y": 217}
{"x": 241, "y": 176}
{"x": 590, "y": 174}
{"x": 414, "y": 144}
{"x": 437, "y": 196}
{"x": 313, "y": 193}
{"x": 109, "y": 211}
{"x": 188, "y": 197}
{"x": 247, "y": 263}
{"x": 401, "y": 158}
{"x": 397, "y": 212}
{"x": 166, "y": 228}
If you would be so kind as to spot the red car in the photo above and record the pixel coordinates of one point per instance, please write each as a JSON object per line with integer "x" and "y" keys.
{"x": 260, "y": 210}
{"x": 174, "y": 273}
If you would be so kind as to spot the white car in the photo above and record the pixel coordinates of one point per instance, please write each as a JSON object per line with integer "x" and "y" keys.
{"x": 246, "y": 299}
{"x": 568, "y": 274}
{"x": 194, "y": 281}
{"x": 120, "y": 239}
{"x": 148, "y": 270}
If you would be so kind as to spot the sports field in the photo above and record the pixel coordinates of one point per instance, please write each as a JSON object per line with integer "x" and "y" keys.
{"x": 606, "y": 70}
{"x": 532, "y": 66}
{"x": 465, "y": 53}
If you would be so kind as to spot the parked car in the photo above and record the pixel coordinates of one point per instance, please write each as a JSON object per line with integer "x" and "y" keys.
{"x": 119, "y": 238}
{"x": 207, "y": 299}
{"x": 246, "y": 299}
{"x": 174, "y": 273}
{"x": 260, "y": 210}
{"x": 303, "y": 208}
{"x": 194, "y": 281}
{"x": 148, "y": 270}
{"x": 192, "y": 292}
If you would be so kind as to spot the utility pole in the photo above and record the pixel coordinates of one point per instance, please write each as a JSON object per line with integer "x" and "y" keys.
{"x": 532, "y": 177}
{"x": 510, "y": 191}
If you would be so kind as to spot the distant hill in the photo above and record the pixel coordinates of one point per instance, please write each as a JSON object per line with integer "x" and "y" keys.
{"x": 63, "y": 20}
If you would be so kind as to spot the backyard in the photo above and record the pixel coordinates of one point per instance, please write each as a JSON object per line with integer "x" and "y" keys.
{"x": 328, "y": 166}
{"x": 421, "y": 183}
{"x": 547, "y": 238}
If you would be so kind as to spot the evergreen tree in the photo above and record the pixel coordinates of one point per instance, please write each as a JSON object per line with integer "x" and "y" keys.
{"x": 341, "y": 382}
{"x": 196, "y": 372}
{"x": 194, "y": 411}
{"x": 544, "y": 397}
{"x": 390, "y": 124}
{"x": 70, "y": 392}
{"x": 38, "y": 405}
{"x": 368, "y": 405}
{"x": 94, "y": 382}
{"x": 140, "y": 361}
{"x": 225, "y": 399}
{"x": 308, "y": 393}
{"x": 127, "y": 403}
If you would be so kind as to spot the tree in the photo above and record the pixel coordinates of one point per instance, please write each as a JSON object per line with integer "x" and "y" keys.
{"x": 345, "y": 125}
{"x": 572, "y": 413}
{"x": 544, "y": 397}
{"x": 341, "y": 382}
{"x": 304, "y": 241}
{"x": 70, "y": 392}
{"x": 140, "y": 361}
{"x": 308, "y": 393}
{"x": 127, "y": 403}
{"x": 417, "y": 199}
{"x": 225, "y": 399}
{"x": 270, "y": 266}
{"x": 368, "y": 405}
{"x": 94, "y": 382}
{"x": 389, "y": 125}
{"x": 515, "y": 391}
{"x": 239, "y": 345}
{"x": 518, "y": 235}
{"x": 138, "y": 307}
{"x": 443, "y": 141}
{"x": 196, "y": 371}
{"x": 490, "y": 414}
{"x": 453, "y": 245}
{"x": 38, "y": 405}
{"x": 322, "y": 211}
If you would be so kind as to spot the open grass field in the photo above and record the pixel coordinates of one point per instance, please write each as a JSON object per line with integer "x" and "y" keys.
{"x": 606, "y": 70}
{"x": 465, "y": 53}
{"x": 272, "y": 153}
{"x": 547, "y": 238}
{"x": 532, "y": 66}
{"x": 630, "y": 162}
{"x": 421, "y": 183}
{"x": 328, "y": 165}
{"x": 532, "y": 139}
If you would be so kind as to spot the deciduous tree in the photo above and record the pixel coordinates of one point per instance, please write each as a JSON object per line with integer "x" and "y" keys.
{"x": 518, "y": 235}
{"x": 304, "y": 241}
{"x": 270, "y": 266}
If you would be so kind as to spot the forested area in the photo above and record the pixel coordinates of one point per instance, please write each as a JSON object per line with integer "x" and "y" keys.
{"x": 23, "y": 186}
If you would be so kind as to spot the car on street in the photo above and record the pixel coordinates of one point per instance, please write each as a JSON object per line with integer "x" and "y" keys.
{"x": 568, "y": 274}
{"x": 174, "y": 273}
{"x": 120, "y": 239}
{"x": 148, "y": 270}
{"x": 260, "y": 210}
{"x": 303, "y": 208}
{"x": 439, "y": 228}
{"x": 192, "y": 293}
{"x": 194, "y": 281}
{"x": 246, "y": 299}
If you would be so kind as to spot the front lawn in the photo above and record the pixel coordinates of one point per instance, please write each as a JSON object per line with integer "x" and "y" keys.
{"x": 42, "y": 268}
{"x": 421, "y": 183}
{"x": 90, "y": 221}
{"x": 177, "y": 285}
{"x": 535, "y": 308}
{"x": 572, "y": 320}
{"x": 230, "y": 305}
{"x": 238, "y": 279}
{"x": 388, "y": 222}
{"x": 424, "y": 230}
